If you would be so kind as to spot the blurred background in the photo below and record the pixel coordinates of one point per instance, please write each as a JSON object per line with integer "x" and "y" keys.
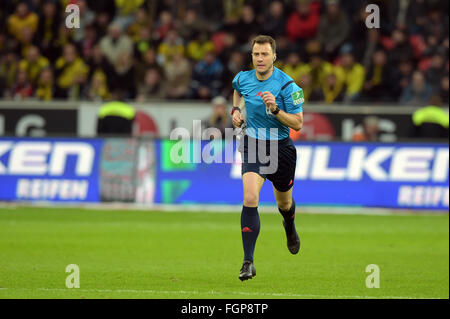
{"x": 86, "y": 113}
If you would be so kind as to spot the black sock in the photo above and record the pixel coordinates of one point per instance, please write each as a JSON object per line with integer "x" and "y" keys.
{"x": 289, "y": 217}
{"x": 250, "y": 229}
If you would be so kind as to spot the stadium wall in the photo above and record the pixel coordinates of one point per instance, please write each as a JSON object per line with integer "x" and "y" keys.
{"x": 321, "y": 122}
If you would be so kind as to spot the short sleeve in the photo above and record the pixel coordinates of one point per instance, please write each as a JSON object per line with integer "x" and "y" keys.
{"x": 293, "y": 98}
{"x": 236, "y": 83}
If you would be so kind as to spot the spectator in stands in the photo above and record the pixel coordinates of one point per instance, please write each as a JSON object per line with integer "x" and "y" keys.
{"x": 359, "y": 33}
{"x": 33, "y": 64}
{"x": 71, "y": 73}
{"x": 115, "y": 44}
{"x": 89, "y": 41}
{"x": 141, "y": 21}
{"x": 207, "y": 78}
{"x": 294, "y": 67}
{"x": 401, "y": 49}
{"x": 191, "y": 25}
{"x": 377, "y": 86}
{"x": 229, "y": 46}
{"x": 27, "y": 40}
{"x": 197, "y": 48}
{"x": 401, "y": 78}
{"x": 370, "y": 47}
{"x": 8, "y": 69}
{"x": 2, "y": 87}
{"x": 219, "y": 118}
{"x": 97, "y": 90}
{"x": 102, "y": 23}
{"x": 124, "y": 76}
{"x": 98, "y": 62}
{"x": 305, "y": 82}
{"x": 332, "y": 88}
{"x": 45, "y": 89}
{"x": 368, "y": 131}
{"x": 163, "y": 25}
{"x": 171, "y": 45}
{"x": 87, "y": 17}
{"x": 178, "y": 75}
{"x": 47, "y": 31}
{"x": 445, "y": 47}
{"x": 22, "y": 19}
{"x": 234, "y": 65}
{"x": 318, "y": 69}
{"x": 432, "y": 46}
{"x": 418, "y": 92}
{"x": 22, "y": 88}
{"x": 126, "y": 10}
{"x": 436, "y": 22}
{"x": 302, "y": 24}
{"x": 275, "y": 20}
{"x": 436, "y": 71}
{"x": 352, "y": 74}
{"x": 149, "y": 61}
{"x": 247, "y": 25}
{"x": 64, "y": 37}
{"x": 443, "y": 90}
{"x": 334, "y": 28}
{"x": 152, "y": 87}
{"x": 143, "y": 43}
{"x": 232, "y": 11}
{"x": 3, "y": 40}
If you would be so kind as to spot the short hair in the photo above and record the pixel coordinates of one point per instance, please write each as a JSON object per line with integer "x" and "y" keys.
{"x": 261, "y": 39}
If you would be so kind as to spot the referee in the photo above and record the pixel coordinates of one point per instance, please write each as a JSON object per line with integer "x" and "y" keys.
{"x": 273, "y": 104}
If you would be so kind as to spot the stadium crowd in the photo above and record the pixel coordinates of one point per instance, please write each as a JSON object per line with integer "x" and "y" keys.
{"x": 191, "y": 49}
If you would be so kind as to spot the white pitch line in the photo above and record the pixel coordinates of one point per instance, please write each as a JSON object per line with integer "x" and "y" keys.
{"x": 212, "y": 292}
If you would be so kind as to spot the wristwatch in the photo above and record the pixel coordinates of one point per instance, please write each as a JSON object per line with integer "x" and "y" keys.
{"x": 235, "y": 108}
{"x": 277, "y": 110}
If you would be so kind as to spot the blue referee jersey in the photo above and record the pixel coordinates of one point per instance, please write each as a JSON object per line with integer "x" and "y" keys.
{"x": 288, "y": 96}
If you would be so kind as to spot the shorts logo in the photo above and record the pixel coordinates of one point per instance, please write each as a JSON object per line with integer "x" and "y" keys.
{"x": 297, "y": 97}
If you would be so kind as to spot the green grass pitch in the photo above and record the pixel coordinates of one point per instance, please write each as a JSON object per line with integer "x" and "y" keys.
{"x": 143, "y": 254}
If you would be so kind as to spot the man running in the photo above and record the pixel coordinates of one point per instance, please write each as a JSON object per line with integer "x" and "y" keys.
{"x": 273, "y": 103}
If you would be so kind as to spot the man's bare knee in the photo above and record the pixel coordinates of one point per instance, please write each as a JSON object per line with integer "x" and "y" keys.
{"x": 251, "y": 200}
{"x": 284, "y": 205}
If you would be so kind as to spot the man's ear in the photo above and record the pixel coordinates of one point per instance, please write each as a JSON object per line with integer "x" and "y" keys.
{"x": 274, "y": 57}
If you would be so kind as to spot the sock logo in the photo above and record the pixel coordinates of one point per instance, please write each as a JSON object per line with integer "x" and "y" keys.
{"x": 290, "y": 182}
{"x": 246, "y": 230}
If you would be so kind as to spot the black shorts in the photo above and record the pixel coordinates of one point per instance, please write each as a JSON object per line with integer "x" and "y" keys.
{"x": 275, "y": 162}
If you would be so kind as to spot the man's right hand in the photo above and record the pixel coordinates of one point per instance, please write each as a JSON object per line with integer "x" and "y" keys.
{"x": 238, "y": 119}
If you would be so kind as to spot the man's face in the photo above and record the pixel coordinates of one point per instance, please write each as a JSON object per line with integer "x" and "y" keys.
{"x": 114, "y": 32}
{"x": 33, "y": 54}
{"x": 379, "y": 58}
{"x": 22, "y": 10}
{"x": 263, "y": 57}
{"x": 347, "y": 60}
{"x": 69, "y": 53}
{"x": 209, "y": 58}
{"x": 333, "y": 10}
